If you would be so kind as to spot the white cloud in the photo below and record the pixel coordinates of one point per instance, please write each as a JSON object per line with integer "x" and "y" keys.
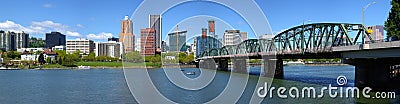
{"x": 39, "y": 28}
{"x": 80, "y": 26}
{"x": 47, "y": 5}
{"x": 50, "y": 24}
{"x": 74, "y": 34}
{"x": 99, "y": 36}
{"x": 12, "y": 26}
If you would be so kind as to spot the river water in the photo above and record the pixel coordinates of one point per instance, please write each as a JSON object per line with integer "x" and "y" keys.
{"x": 109, "y": 86}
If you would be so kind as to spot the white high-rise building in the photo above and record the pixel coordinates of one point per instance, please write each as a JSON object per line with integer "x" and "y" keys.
{"x": 137, "y": 44}
{"x": 85, "y": 46}
{"x": 111, "y": 48}
{"x": 234, "y": 37}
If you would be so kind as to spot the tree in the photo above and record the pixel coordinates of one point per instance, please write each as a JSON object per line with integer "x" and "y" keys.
{"x": 392, "y": 24}
{"x": 48, "y": 60}
{"x": 189, "y": 58}
{"x": 67, "y": 61}
{"x": 135, "y": 57}
{"x": 76, "y": 55}
{"x": 41, "y": 59}
{"x": 155, "y": 59}
{"x": 60, "y": 59}
{"x": 182, "y": 56}
{"x": 90, "y": 57}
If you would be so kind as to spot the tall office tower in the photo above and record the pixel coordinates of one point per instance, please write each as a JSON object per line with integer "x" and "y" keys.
{"x": 7, "y": 41}
{"x": 111, "y": 48}
{"x": 155, "y": 23}
{"x": 243, "y": 36}
{"x": 21, "y": 40}
{"x": 194, "y": 46}
{"x": 203, "y": 32}
{"x": 177, "y": 41}
{"x": 234, "y": 37}
{"x": 54, "y": 39}
{"x": 126, "y": 36}
{"x": 11, "y": 41}
{"x": 113, "y": 39}
{"x": 147, "y": 40}
{"x": 137, "y": 44}
{"x": 211, "y": 30}
{"x": 164, "y": 47}
{"x": 377, "y": 33}
{"x": 204, "y": 44}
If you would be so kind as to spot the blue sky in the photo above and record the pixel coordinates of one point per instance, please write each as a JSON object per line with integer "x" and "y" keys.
{"x": 97, "y": 19}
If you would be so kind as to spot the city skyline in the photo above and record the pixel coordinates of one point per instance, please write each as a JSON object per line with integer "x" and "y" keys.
{"x": 62, "y": 16}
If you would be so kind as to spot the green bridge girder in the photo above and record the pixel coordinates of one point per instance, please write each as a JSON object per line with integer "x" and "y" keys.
{"x": 309, "y": 38}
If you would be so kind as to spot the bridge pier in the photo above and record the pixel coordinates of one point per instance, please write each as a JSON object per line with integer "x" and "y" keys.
{"x": 222, "y": 64}
{"x": 239, "y": 65}
{"x": 207, "y": 64}
{"x": 273, "y": 67}
{"x": 374, "y": 73}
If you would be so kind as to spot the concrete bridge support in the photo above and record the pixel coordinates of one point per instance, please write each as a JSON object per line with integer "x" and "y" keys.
{"x": 222, "y": 64}
{"x": 273, "y": 67}
{"x": 239, "y": 65}
{"x": 207, "y": 64}
{"x": 374, "y": 73}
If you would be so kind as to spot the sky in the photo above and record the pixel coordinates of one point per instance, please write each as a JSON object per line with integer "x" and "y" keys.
{"x": 99, "y": 19}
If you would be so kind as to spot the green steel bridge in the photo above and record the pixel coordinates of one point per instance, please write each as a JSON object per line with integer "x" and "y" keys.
{"x": 309, "y": 38}
{"x": 350, "y": 42}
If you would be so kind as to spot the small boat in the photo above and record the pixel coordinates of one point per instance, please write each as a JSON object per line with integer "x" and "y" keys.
{"x": 182, "y": 70}
{"x": 294, "y": 63}
{"x": 190, "y": 73}
{"x": 4, "y": 68}
{"x": 83, "y": 67}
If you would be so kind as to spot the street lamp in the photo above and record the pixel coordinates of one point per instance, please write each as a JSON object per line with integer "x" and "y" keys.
{"x": 363, "y": 10}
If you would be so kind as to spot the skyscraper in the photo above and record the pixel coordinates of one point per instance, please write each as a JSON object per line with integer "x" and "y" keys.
{"x": 177, "y": 41}
{"x": 202, "y": 44}
{"x": 234, "y": 37}
{"x": 126, "y": 36}
{"x": 147, "y": 39}
{"x": 377, "y": 33}
{"x": 155, "y": 23}
{"x": 54, "y": 39}
{"x": 113, "y": 39}
{"x": 21, "y": 40}
{"x": 111, "y": 48}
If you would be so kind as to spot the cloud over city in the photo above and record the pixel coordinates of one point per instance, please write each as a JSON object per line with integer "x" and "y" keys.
{"x": 99, "y": 36}
{"x": 42, "y": 27}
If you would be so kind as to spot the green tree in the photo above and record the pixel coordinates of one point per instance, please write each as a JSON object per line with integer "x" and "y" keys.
{"x": 67, "y": 61}
{"x": 60, "y": 59}
{"x": 189, "y": 58}
{"x": 36, "y": 43}
{"x": 76, "y": 55}
{"x": 156, "y": 59}
{"x": 41, "y": 59}
{"x": 90, "y": 57}
{"x": 48, "y": 60}
{"x": 135, "y": 57}
{"x": 182, "y": 56}
{"x": 392, "y": 24}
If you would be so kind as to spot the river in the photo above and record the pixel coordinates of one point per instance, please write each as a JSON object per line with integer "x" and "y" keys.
{"x": 109, "y": 86}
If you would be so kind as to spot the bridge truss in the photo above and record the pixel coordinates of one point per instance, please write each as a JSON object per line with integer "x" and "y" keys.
{"x": 309, "y": 38}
